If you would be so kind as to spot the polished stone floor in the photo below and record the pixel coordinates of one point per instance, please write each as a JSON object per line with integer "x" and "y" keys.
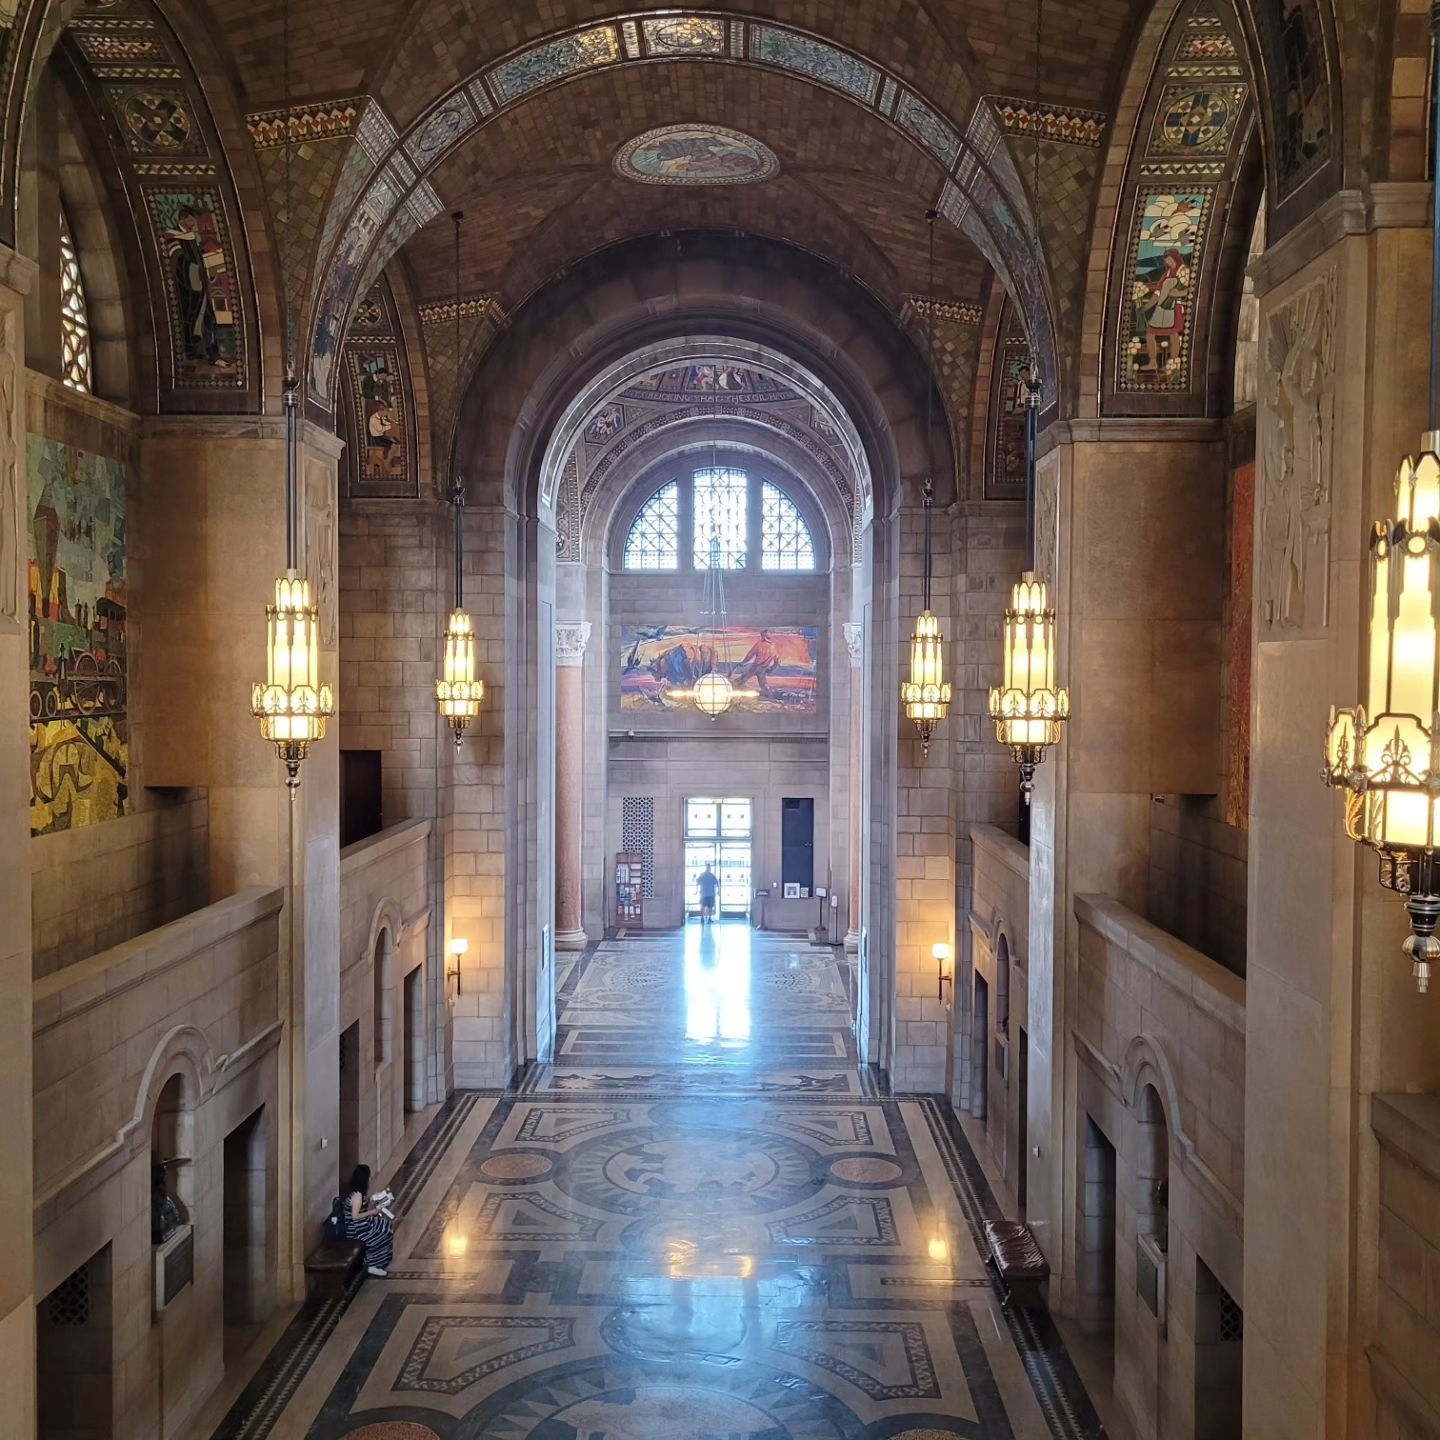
{"x": 702, "y": 1222}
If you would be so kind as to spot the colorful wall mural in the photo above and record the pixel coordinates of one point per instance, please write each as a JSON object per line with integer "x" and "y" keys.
{"x": 1163, "y": 264}
{"x": 695, "y": 155}
{"x": 776, "y": 666}
{"x": 1292, "y": 48}
{"x": 381, "y": 460}
{"x": 79, "y": 731}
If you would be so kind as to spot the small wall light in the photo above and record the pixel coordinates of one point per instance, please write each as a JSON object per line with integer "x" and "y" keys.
{"x": 939, "y": 1249}
{"x": 456, "y": 948}
{"x": 941, "y": 951}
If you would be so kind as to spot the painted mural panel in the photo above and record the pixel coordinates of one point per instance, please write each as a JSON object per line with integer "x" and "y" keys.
{"x": 775, "y": 665}
{"x": 381, "y": 460}
{"x": 157, "y": 120}
{"x": 79, "y": 732}
{"x": 1162, "y": 269}
{"x": 201, "y": 288}
{"x": 1008, "y": 440}
{"x": 1197, "y": 121}
{"x": 1292, "y": 47}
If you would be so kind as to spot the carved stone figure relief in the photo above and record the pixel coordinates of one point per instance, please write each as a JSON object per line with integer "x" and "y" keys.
{"x": 1047, "y": 486}
{"x": 1296, "y": 448}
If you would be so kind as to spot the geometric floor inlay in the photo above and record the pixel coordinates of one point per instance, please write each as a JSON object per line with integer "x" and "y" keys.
{"x": 704, "y": 1221}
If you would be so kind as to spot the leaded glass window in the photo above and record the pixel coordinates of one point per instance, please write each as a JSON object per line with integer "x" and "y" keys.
{"x": 722, "y": 497}
{"x": 654, "y": 539}
{"x": 785, "y": 542}
{"x": 74, "y": 321}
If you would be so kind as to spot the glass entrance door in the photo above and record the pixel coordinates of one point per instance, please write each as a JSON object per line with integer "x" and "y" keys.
{"x": 717, "y": 834}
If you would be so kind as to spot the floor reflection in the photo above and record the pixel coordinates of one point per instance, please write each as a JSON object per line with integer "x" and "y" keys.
{"x": 717, "y": 984}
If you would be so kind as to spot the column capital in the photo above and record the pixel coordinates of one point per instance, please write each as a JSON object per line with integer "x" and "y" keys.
{"x": 17, "y": 271}
{"x": 571, "y": 637}
{"x": 855, "y": 642}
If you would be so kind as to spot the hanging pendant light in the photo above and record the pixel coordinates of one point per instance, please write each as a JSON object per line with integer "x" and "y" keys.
{"x": 926, "y": 694}
{"x": 457, "y": 692}
{"x": 713, "y": 693}
{"x": 1384, "y": 754}
{"x": 1028, "y": 708}
{"x": 291, "y": 705}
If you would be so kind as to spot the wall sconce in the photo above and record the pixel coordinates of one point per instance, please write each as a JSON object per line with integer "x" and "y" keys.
{"x": 941, "y": 951}
{"x": 455, "y": 949}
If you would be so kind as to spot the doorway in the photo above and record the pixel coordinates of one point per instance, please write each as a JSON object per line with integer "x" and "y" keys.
{"x": 75, "y": 1377}
{"x": 979, "y": 1047}
{"x": 1219, "y": 1358}
{"x": 1097, "y": 1231}
{"x": 248, "y": 1297}
{"x": 414, "y": 1031}
{"x": 349, "y": 1101}
{"x": 718, "y": 833}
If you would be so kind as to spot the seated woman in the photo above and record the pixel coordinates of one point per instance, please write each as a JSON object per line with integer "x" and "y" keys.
{"x": 368, "y": 1225}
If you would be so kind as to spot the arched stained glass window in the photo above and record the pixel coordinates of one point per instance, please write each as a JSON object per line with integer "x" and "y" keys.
{"x": 74, "y": 321}
{"x": 785, "y": 542}
{"x": 722, "y": 496}
{"x": 654, "y": 539}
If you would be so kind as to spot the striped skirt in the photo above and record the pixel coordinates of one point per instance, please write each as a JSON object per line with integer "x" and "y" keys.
{"x": 378, "y": 1236}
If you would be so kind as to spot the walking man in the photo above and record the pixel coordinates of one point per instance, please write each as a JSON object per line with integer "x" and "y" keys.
{"x": 709, "y": 886}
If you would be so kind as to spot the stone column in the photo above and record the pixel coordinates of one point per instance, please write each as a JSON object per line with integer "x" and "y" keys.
{"x": 854, "y": 642}
{"x": 17, "y": 1269}
{"x": 570, "y": 639}
{"x": 214, "y": 542}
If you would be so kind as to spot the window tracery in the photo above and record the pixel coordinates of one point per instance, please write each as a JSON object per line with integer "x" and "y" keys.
{"x": 722, "y": 498}
{"x": 785, "y": 541}
{"x": 654, "y": 539}
{"x": 75, "y": 369}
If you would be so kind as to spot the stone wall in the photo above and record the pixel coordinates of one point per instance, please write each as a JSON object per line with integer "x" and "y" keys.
{"x": 1160, "y": 1122}
{"x": 169, "y": 1039}
{"x": 998, "y": 1049}
{"x": 1197, "y": 876}
{"x": 393, "y": 1001}
{"x": 1402, "y": 1363}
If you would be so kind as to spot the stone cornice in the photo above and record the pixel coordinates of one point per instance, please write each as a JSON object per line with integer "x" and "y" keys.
{"x": 239, "y": 427}
{"x": 1395, "y": 204}
{"x": 17, "y": 271}
{"x": 1121, "y": 429}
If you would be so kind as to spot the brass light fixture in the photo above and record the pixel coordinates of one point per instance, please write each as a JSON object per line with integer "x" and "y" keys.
{"x": 1028, "y": 708}
{"x": 457, "y": 692}
{"x": 291, "y": 705}
{"x": 1384, "y": 754}
{"x": 926, "y": 694}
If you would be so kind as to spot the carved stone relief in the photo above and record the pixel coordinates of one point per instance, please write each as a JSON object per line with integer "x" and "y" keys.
{"x": 1296, "y": 452}
{"x": 1047, "y": 497}
{"x": 322, "y": 569}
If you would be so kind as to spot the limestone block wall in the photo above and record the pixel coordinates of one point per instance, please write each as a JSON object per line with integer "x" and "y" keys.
{"x": 387, "y": 993}
{"x": 189, "y": 1013}
{"x": 1160, "y": 1039}
{"x": 1402, "y": 1363}
{"x": 98, "y": 886}
{"x": 1197, "y": 880}
{"x": 997, "y": 1050}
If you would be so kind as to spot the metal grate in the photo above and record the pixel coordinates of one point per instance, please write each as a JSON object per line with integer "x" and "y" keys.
{"x": 654, "y": 539}
{"x": 69, "y": 1302}
{"x": 785, "y": 541}
{"x": 637, "y": 835}
{"x": 74, "y": 318}
{"x": 1232, "y": 1319}
{"x": 722, "y": 496}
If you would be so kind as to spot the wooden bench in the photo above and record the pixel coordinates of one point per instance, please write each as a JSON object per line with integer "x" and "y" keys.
{"x": 330, "y": 1267}
{"x": 1018, "y": 1263}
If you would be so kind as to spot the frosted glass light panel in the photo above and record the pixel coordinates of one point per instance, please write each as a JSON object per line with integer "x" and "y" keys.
{"x": 654, "y": 539}
{"x": 734, "y": 818}
{"x": 722, "y": 497}
{"x": 74, "y": 319}
{"x": 785, "y": 542}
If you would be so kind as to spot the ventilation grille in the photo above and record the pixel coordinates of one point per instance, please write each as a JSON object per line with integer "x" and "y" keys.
{"x": 69, "y": 1302}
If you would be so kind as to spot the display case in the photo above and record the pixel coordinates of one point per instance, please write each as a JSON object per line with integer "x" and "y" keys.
{"x": 629, "y": 890}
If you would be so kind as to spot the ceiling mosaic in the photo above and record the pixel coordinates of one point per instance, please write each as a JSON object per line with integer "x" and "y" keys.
{"x": 696, "y": 155}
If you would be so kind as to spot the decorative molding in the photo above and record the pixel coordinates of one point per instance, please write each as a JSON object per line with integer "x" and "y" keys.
{"x": 571, "y": 637}
{"x": 324, "y": 120}
{"x": 855, "y": 643}
{"x": 1295, "y": 452}
{"x": 963, "y": 312}
{"x": 442, "y": 312}
{"x": 1131, "y": 429}
{"x": 1065, "y": 124}
{"x": 1396, "y": 204}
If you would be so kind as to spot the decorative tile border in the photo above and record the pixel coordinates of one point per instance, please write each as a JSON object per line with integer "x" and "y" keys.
{"x": 1064, "y": 124}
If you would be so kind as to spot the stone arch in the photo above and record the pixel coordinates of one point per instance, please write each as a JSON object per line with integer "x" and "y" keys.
{"x": 1161, "y": 238}
{"x": 213, "y": 184}
{"x": 395, "y": 198}
{"x": 1146, "y": 1063}
{"x": 387, "y": 928}
{"x": 184, "y": 1051}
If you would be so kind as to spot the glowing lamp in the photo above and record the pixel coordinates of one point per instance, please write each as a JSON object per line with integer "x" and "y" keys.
{"x": 1029, "y": 709}
{"x": 713, "y": 694}
{"x": 292, "y": 706}
{"x": 457, "y": 692}
{"x": 926, "y": 694}
{"x": 1383, "y": 755}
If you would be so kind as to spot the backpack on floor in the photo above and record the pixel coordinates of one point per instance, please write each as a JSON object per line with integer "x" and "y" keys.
{"x": 335, "y": 1221}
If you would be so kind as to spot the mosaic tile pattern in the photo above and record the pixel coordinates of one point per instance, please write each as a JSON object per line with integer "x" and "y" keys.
{"x": 577, "y": 1261}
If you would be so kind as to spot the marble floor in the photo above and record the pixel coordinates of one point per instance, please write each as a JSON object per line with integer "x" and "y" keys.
{"x": 703, "y": 1222}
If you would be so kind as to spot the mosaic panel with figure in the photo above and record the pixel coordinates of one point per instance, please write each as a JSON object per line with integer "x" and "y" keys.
{"x": 1292, "y": 48}
{"x": 208, "y": 347}
{"x": 1162, "y": 270}
{"x": 1008, "y": 439}
{"x": 79, "y": 729}
{"x": 381, "y": 461}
